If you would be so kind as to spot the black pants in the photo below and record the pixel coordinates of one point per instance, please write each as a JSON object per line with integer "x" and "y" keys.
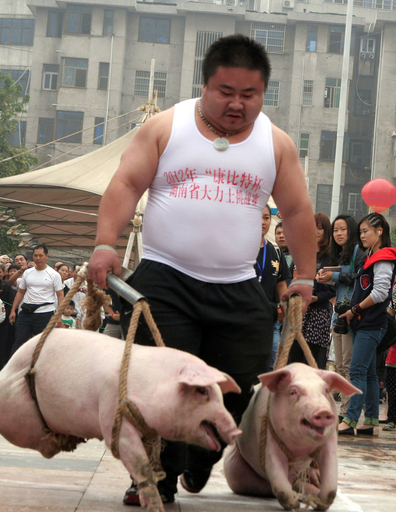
{"x": 229, "y": 326}
{"x": 28, "y": 325}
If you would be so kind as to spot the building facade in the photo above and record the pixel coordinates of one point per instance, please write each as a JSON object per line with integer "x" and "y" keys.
{"x": 86, "y": 65}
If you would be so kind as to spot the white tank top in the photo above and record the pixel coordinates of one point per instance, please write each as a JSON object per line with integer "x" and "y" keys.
{"x": 203, "y": 214}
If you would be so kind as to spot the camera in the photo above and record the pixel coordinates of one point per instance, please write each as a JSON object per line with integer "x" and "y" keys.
{"x": 341, "y": 325}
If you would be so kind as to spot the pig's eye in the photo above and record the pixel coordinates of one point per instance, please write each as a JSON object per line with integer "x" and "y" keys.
{"x": 202, "y": 391}
{"x": 293, "y": 391}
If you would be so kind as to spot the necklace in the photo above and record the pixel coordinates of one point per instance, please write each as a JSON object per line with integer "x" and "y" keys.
{"x": 221, "y": 144}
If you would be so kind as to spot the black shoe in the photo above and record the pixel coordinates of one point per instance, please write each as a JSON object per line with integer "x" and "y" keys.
{"x": 195, "y": 481}
{"x": 347, "y": 432}
{"x": 132, "y": 495}
{"x": 365, "y": 431}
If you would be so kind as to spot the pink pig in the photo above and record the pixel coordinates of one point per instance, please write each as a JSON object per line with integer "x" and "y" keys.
{"x": 77, "y": 378}
{"x": 304, "y": 417}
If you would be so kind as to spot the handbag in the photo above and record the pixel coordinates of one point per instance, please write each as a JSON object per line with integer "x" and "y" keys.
{"x": 390, "y": 336}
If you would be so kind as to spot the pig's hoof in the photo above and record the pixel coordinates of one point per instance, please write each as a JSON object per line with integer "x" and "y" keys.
{"x": 288, "y": 502}
{"x": 324, "y": 505}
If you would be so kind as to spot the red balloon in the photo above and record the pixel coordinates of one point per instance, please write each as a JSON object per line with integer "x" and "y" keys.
{"x": 379, "y": 194}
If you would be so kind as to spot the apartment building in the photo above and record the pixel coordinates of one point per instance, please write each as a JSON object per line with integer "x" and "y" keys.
{"x": 86, "y": 65}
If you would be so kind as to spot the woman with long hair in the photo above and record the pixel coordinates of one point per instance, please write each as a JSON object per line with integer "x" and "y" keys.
{"x": 317, "y": 319}
{"x": 368, "y": 321}
{"x": 345, "y": 254}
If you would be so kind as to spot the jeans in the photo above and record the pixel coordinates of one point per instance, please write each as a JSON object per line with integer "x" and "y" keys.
{"x": 275, "y": 343}
{"x": 363, "y": 375}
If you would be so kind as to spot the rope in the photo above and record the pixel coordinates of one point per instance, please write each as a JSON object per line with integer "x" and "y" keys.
{"x": 150, "y": 438}
{"x": 292, "y": 330}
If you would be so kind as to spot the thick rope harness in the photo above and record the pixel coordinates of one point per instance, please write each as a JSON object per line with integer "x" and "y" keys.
{"x": 95, "y": 299}
{"x": 293, "y": 330}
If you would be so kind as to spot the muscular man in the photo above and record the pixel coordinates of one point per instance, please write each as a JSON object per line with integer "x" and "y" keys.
{"x": 210, "y": 165}
{"x": 41, "y": 288}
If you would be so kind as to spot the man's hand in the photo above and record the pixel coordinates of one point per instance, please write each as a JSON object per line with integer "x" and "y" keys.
{"x": 305, "y": 290}
{"x": 12, "y": 317}
{"x": 100, "y": 264}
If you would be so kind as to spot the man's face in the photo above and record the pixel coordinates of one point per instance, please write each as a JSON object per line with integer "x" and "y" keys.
{"x": 280, "y": 238}
{"x": 40, "y": 258}
{"x": 21, "y": 261}
{"x": 265, "y": 222}
{"x": 12, "y": 272}
{"x": 232, "y": 99}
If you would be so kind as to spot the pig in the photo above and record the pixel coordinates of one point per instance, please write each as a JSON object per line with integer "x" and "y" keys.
{"x": 77, "y": 381}
{"x": 304, "y": 417}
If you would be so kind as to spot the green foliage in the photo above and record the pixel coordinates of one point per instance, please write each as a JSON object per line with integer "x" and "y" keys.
{"x": 393, "y": 236}
{"x": 7, "y": 246}
{"x": 12, "y": 103}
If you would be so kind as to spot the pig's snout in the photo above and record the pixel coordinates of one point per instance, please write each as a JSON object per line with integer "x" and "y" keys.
{"x": 323, "y": 418}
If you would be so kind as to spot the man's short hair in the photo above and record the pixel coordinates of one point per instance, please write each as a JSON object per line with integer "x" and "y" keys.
{"x": 20, "y": 254}
{"x": 279, "y": 225}
{"x": 236, "y": 51}
{"x": 14, "y": 266}
{"x": 41, "y": 246}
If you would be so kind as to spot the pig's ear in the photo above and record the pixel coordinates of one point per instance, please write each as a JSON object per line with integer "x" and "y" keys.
{"x": 277, "y": 380}
{"x": 336, "y": 381}
{"x": 198, "y": 374}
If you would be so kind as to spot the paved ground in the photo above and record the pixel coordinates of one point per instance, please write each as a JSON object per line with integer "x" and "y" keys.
{"x": 91, "y": 480}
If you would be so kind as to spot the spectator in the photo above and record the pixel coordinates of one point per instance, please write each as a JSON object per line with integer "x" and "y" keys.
{"x": 345, "y": 252}
{"x": 113, "y": 325}
{"x": 280, "y": 239}
{"x": 317, "y": 320}
{"x": 7, "y": 331}
{"x": 272, "y": 272}
{"x": 68, "y": 319}
{"x": 40, "y": 288}
{"x": 368, "y": 320}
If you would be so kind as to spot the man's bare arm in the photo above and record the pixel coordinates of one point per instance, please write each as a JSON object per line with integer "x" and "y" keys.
{"x": 134, "y": 175}
{"x": 291, "y": 196}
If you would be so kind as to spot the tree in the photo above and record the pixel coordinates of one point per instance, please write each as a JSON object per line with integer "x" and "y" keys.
{"x": 393, "y": 236}
{"x": 12, "y": 102}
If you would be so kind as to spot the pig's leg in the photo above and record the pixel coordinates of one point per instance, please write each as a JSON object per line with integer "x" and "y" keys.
{"x": 277, "y": 470}
{"x": 241, "y": 477}
{"x": 327, "y": 461}
{"x": 134, "y": 458}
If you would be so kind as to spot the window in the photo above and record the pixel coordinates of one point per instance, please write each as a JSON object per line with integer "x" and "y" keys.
{"x": 367, "y": 45}
{"x": 19, "y": 136}
{"x": 323, "y": 198}
{"x": 202, "y": 43}
{"x": 108, "y": 22}
{"x": 46, "y": 130}
{"x": 50, "y": 77}
{"x": 272, "y": 37}
{"x": 103, "y": 76}
{"x": 360, "y": 154}
{"x": 336, "y": 39}
{"x": 307, "y": 93}
{"x": 78, "y": 19}
{"x": 154, "y": 30}
{"x": 16, "y": 31}
{"x": 355, "y": 205}
{"x": 74, "y": 72}
{"x": 312, "y": 38}
{"x": 98, "y": 130}
{"x": 271, "y": 96}
{"x": 54, "y": 24}
{"x": 363, "y": 102}
{"x": 304, "y": 145}
{"x": 328, "y": 145}
{"x": 69, "y": 123}
{"x": 142, "y": 79}
{"x": 332, "y": 93}
{"x": 20, "y": 76}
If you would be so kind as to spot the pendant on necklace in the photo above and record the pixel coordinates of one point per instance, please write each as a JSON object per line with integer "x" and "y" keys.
{"x": 221, "y": 144}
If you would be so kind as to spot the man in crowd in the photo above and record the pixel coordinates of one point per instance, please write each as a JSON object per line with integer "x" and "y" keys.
{"x": 281, "y": 241}
{"x": 40, "y": 289}
{"x": 210, "y": 165}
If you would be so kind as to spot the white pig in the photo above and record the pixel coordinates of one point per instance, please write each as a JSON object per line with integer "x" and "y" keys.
{"x": 304, "y": 417}
{"x": 77, "y": 379}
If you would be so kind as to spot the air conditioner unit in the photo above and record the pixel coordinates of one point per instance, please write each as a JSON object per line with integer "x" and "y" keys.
{"x": 288, "y": 4}
{"x": 371, "y": 56}
{"x": 363, "y": 55}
